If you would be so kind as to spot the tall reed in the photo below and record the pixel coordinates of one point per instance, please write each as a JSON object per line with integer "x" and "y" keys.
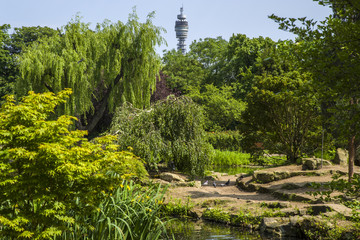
{"x": 128, "y": 212}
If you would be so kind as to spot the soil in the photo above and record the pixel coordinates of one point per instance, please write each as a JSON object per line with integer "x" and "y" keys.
{"x": 231, "y": 198}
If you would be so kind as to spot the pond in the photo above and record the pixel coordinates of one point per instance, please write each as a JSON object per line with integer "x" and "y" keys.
{"x": 189, "y": 230}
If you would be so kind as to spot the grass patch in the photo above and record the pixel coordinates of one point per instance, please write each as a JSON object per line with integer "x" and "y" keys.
{"x": 231, "y": 158}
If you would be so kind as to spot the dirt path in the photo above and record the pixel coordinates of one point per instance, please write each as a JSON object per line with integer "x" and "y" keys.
{"x": 233, "y": 199}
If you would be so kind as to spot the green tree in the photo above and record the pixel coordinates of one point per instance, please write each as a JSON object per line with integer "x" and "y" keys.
{"x": 48, "y": 170}
{"x": 7, "y": 75}
{"x": 11, "y": 46}
{"x": 241, "y": 56}
{"x": 222, "y": 110}
{"x": 330, "y": 51}
{"x": 184, "y": 71}
{"x": 281, "y": 114}
{"x": 105, "y": 67}
{"x": 172, "y": 130}
{"x": 24, "y": 36}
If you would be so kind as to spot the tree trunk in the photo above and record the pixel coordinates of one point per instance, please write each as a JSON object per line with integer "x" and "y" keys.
{"x": 352, "y": 153}
{"x": 103, "y": 104}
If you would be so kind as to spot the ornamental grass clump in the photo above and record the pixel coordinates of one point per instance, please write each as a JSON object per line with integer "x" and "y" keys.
{"x": 128, "y": 212}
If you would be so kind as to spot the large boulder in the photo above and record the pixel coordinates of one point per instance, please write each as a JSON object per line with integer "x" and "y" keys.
{"x": 264, "y": 176}
{"x": 341, "y": 157}
{"x": 171, "y": 177}
{"x": 314, "y": 163}
{"x": 309, "y": 164}
{"x": 280, "y": 228}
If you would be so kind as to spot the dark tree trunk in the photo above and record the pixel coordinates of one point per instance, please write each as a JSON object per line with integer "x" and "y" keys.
{"x": 352, "y": 154}
{"x": 102, "y": 106}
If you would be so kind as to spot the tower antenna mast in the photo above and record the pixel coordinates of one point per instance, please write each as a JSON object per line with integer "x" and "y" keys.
{"x": 181, "y": 29}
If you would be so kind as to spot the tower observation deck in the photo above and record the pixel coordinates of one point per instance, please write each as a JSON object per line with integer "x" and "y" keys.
{"x": 181, "y": 29}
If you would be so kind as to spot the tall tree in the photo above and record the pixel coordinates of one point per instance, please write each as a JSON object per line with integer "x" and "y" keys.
{"x": 241, "y": 56}
{"x": 105, "y": 67}
{"x": 11, "y": 46}
{"x": 281, "y": 113}
{"x": 331, "y": 51}
{"x": 7, "y": 75}
{"x": 184, "y": 71}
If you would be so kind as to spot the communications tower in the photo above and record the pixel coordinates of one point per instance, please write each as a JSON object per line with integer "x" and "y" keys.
{"x": 181, "y": 29}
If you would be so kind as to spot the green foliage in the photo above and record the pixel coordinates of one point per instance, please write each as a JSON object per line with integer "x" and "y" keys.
{"x": 282, "y": 115}
{"x": 7, "y": 67}
{"x": 323, "y": 230}
{"x": 338, "y": 184}
{"x": 176, "y": 208}
{"x": 184, "y": 71}
{"x": 228, "y": 158}
{"x": 115, "y": 63}
{"x": 11, "y": 46}
{"x": 330, "y": 51}
{"x": 217, "y": 215}
{"x": 222, "y": 110}
{"x": 127, "y": 212}
{"x": 241, "y": 60}
{"x": 226, "y": 140}
{"x": 25, "y": 36}
{"x": 47, "y": 170}
{"x": 172, "y": 130}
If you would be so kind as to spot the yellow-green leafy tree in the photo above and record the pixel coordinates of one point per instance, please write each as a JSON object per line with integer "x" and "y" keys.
{"x": 47, "y": 169}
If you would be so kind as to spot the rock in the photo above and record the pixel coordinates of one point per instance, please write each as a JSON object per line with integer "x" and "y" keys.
{"x": 171, "y": 177}
{"x": 295, "y": 221}
{"x": 309, "y": 164}
{"x": 319, "y": 208}
{"x": 264, "y": 177}
{"x": 281, "y": 175}
{"x": 341, "y": 157}
{"x": 314, "y": 163}
{"x": 197, "y": 184}
{"x": 278, "y": 228}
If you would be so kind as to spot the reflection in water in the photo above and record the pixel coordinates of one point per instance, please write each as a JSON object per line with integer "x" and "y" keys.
{"x": 188, "y": 230}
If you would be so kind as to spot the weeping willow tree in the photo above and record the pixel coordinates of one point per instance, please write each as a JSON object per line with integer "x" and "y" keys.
{"x": 105, "y": 67}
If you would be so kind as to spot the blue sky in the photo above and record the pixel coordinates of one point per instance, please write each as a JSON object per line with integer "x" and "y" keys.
{"x": 207, "y": 18}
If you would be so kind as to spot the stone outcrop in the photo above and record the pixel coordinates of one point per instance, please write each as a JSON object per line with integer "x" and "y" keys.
{"x": 171, "y": 177}
{"x": 264, "y": 176}
{"x": 280, "y": 228}
{"x": 314, "y": 163}
{"x": 341, "y": 157}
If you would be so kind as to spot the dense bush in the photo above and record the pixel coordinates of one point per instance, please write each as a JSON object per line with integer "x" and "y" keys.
{"x": 47, "y": 170}
{"x": 171, "y": 131}
{"x": 227, "y": 140}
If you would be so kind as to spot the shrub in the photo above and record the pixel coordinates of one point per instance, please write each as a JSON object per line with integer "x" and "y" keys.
{"x": 228, "y": 140}
{"x": 172, "y": 130}
{"x": 47, "y": 169}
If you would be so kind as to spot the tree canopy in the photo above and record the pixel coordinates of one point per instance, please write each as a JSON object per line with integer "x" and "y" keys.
{"x": 105, "y": 67}
{"x": 330, "y": 51}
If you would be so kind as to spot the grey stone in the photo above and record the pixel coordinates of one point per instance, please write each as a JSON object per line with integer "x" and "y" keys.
{"x": 264, "y": 177}
{"x": 281, "y": 175}
{"x": 341, "y": 157}
{"x": 278, "y": 228}
{"x": 171, "y": 177}
{"x": 309, "y": 164}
